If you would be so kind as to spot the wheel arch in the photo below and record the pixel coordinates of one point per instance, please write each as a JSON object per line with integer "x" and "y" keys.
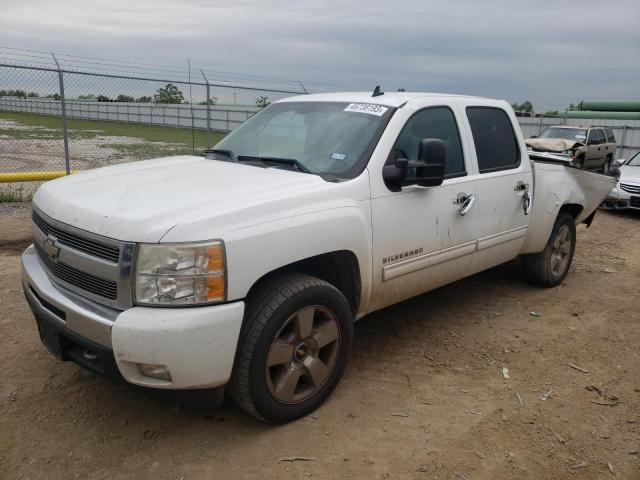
{"x": 340, "y": 268}
{"x": 572, "y": 209}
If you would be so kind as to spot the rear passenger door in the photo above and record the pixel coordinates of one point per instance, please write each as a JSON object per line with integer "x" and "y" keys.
{"x": 504, "y": 178}
{"x": 595, "y": 154}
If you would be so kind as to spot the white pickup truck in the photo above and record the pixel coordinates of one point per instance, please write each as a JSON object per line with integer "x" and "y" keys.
{"x": 245, "y": 268}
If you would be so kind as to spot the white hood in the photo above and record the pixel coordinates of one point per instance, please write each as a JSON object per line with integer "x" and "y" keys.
{"x": 141, "y": 201}
{"x": 629, "y": 174}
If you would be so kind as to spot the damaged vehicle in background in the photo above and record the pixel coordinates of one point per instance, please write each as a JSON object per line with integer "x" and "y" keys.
{"x": 592, "y": 148}
{"x": 626, "y": 193}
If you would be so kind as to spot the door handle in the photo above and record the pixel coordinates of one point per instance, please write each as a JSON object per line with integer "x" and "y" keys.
{"x": 466, "y": 203}
{"x": 527, "y": 201}
{"x": 525, "y": 194}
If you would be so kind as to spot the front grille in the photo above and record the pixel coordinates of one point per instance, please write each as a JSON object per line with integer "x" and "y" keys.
{"x": 96, "y": 285}
{"x": 634, "y": 202}
{"x": 91, "y": 247}
{"x": 627, "y": 187}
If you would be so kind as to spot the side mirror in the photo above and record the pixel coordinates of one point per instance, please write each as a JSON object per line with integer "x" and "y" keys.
{"x": 427, "y": 171}
{"x": 533, "y": 136}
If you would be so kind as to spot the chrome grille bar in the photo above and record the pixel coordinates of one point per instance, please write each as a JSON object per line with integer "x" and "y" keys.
{"x": 627, "y": 187}
{"x": 85, "y": 281}
{"x": 90, "y": 247}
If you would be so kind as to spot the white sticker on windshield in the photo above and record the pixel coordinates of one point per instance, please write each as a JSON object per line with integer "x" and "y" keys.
{"x": 338, "y": 156}
{"x": 377, "y": 110}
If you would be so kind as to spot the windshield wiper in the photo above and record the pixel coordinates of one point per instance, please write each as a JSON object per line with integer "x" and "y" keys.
{"x": 226, "y": 153}
{"x": 282, "y": 161}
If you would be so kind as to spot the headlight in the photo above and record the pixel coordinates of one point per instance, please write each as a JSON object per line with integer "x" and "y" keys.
{"x": 180, "y": 273}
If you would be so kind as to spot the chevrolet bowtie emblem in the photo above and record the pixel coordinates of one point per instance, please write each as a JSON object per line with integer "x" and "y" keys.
{"x": 50, "y": 248}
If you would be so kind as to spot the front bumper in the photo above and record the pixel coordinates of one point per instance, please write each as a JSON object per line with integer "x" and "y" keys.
{"x": 618, "y": 199}
{"x": 196, "y": 345}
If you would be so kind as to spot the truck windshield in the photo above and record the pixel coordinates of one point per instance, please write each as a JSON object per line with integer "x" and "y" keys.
{"x": 331, "y": 139}
{"x": 575, "y": 134}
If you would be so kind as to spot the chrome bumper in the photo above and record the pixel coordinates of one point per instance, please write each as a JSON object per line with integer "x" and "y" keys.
{"x": 62, "y": 307}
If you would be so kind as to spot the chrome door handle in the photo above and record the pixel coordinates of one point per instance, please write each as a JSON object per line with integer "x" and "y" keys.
{"x": 527, "y": 201}
{"x": 467, "y": 204}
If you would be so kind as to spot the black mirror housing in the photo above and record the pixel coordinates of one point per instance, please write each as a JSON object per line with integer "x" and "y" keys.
{"x": 429, "y": 168}
{"x": 431, "y": 153}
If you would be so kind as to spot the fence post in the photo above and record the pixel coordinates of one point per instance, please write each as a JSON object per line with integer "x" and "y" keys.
{"x": 540, "y": 124}
{"x": 65, "y": 132}
{"x": 621, "y": 145}
{"x": 208, "y": 109}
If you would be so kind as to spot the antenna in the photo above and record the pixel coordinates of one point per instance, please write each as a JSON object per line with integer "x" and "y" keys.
{"x": 377, "y": 92}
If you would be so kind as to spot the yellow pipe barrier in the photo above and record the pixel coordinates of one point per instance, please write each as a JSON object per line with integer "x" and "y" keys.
{"x": 31, "y": 176}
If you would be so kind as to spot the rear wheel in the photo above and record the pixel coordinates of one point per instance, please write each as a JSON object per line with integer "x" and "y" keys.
{"x": 294, "y": 350}
{"x": 549, "y": 267}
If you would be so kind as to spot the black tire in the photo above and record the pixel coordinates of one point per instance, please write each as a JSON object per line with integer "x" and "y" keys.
{"x": 539, "y": 267}
{"x": 269, "y": 310}
{"x": 580, "y": 162}
{"x": 606, "y": 166}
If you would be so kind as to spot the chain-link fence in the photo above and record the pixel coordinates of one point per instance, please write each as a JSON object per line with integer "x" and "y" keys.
{"x": 60, "y": 113}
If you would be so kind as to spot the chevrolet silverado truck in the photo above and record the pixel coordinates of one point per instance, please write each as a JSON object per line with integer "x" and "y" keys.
{"x": 245, "y": 268}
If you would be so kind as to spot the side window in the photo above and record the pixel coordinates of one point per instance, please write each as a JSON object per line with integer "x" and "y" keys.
{"x": 593, "y": 137}
{"x": 494, "y": 138}
{"x": 601, "y": 137}
{"x": 611, "y": 138}
{"x": 435, "y": 122}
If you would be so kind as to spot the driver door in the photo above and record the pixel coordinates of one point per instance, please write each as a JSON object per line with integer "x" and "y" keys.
{"x": 420, "y": 239}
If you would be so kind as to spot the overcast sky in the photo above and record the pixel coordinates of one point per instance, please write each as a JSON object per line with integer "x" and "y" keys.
{"x": 549, "y": 52}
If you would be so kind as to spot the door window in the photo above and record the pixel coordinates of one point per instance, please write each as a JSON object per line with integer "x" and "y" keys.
{"x": 435, "y": 122}
{"x": 494, "y": 139}
{"x": 610, "y": 136}
{"x": 593, "y": 137}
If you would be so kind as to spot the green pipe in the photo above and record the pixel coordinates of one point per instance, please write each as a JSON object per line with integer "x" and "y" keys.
{"x": 600, "y": 115}
{"x": 610, "y": 105}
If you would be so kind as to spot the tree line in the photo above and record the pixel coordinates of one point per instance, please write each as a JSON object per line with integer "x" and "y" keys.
{"x": 167, "y": 94}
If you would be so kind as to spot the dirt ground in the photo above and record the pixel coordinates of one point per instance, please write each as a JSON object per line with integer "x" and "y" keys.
{"x": 424, "y": 396}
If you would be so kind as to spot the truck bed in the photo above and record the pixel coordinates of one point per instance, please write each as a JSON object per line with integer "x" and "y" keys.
{"x": 559, "y": 183}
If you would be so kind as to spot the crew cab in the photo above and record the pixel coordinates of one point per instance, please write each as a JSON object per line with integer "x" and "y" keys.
{"x": 245, "y": 268}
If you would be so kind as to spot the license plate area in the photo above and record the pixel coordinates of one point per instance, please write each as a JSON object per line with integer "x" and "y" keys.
{"x": 50, "y": 337}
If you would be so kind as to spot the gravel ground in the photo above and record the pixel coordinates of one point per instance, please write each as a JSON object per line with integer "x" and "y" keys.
{"x": 424, "y": 396}
{"x": 15, "y": 209}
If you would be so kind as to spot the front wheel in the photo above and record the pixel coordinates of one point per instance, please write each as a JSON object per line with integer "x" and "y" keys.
{"x": 549, "y": 267}
{"x": 294, "y": 350}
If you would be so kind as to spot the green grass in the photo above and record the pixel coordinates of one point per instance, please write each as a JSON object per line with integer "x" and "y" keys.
{"x": 86, "y": 129}
{"x": 13, "y": 195}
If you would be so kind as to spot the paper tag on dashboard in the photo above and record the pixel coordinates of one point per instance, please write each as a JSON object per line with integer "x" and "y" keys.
{"x": 370, "y": 108}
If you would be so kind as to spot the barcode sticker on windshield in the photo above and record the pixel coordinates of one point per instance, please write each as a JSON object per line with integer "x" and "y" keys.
{"x": 377, "y": 110}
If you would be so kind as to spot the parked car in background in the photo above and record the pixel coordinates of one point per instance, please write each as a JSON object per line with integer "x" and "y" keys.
{"x": 626, "y": 194}
{"x": 588, "y": 147}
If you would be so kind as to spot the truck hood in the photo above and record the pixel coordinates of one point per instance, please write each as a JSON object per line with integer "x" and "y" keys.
{"x": 630, "y": 174}
{"x": 552, "y": 144}
{"x": 142, "y": 201}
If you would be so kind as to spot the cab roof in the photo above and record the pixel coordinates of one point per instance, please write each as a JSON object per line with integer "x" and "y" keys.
{"x": 389, "y": 99}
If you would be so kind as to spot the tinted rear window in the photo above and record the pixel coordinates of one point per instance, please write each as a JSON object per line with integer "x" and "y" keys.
{"x": 494, "y": 139}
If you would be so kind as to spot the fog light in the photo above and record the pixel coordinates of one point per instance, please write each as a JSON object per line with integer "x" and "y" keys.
{"x": 159, "y": 372}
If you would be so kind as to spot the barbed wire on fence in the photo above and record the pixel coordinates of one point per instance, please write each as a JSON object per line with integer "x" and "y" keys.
{"x": 61, "y": 112}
